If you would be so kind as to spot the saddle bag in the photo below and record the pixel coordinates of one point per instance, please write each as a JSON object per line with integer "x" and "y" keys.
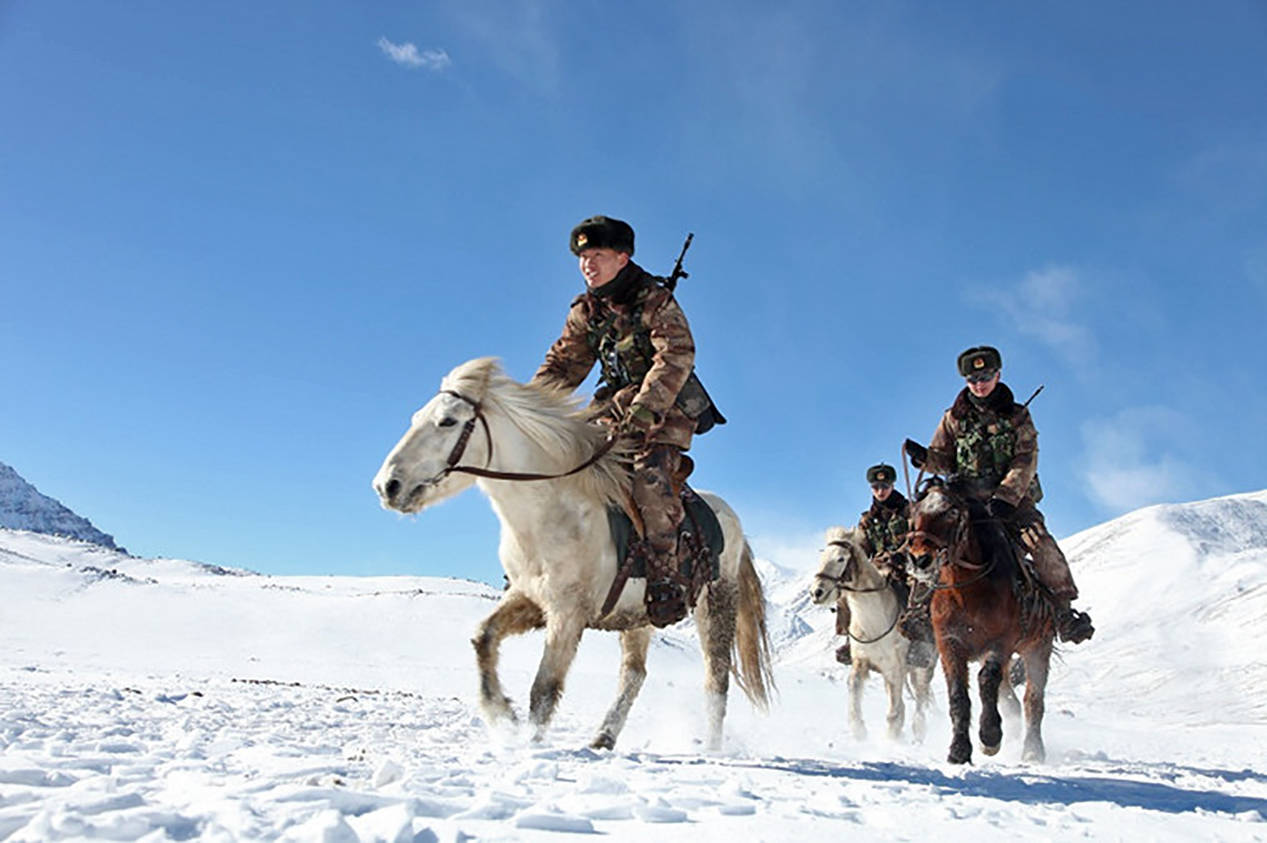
{"x": 697, "y": 404}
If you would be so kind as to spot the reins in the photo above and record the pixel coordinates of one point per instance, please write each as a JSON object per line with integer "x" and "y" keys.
{"x": 945, "y": 553}
{"x": 459, "y": 448}
{"x": 838, "y": 581}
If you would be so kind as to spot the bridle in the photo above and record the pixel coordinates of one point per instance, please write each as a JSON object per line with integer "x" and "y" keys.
{"x": 464, "y": 438}
{"x": 945, "y": 552}
{"x": 839, "y": 579}
{"x": 839, "y": 582}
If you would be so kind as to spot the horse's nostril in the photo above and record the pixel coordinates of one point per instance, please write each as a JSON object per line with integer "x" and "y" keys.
{"x": 392, "y": 487}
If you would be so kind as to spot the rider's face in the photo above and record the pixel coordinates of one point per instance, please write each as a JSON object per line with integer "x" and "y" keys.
{"x": 881, "y": 491}
{"x": 982, "y": 389}
{"x": 601, "y": 265}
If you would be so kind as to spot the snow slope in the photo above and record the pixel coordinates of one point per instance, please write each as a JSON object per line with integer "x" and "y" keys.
{"x": 171, "y": 700}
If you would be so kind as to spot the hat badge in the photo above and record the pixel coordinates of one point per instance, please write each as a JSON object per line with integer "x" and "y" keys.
{"x": 979, "y": 363}
{"x": 581, "y": 240}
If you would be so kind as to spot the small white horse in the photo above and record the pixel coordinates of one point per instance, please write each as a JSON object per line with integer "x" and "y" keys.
{"x": 556, "y": 544}
{"x": 844, "y": 569}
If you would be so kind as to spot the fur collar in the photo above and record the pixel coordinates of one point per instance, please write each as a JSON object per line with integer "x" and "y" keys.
{"x": 1000, "y": 402}
{"x": 895, "y": 502}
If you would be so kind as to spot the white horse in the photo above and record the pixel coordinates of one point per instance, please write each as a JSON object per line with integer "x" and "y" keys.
{"x": 844, "y": 569}
{"x": 556, "y": 543}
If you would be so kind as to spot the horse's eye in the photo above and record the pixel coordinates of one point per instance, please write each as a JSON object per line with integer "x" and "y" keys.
{"x": 448, "y": 421}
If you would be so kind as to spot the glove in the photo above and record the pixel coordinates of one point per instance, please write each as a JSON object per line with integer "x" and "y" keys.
{"x": 639, "y": 420}
{"x": 918, "y": 453}
{"x": 1000, "y": 509}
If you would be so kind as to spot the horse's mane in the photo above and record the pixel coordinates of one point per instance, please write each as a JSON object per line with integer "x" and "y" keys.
{"x": 553, "y": 420}
{"x": 949, "y": 496}
{"x": 844, "y": 534}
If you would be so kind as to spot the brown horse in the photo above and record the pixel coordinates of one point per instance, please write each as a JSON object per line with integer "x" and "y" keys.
{"x": 977, "y": 615}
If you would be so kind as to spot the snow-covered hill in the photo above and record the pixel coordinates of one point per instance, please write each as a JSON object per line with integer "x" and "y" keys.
{"x": 1178, "y": 593}
{"x": 177, "y": 700}
{"x": 23, "y": 507}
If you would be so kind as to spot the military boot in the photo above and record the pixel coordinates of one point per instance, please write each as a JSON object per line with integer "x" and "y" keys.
{"x": 1072, "y": 626}
{"x": 842, "y": 628}
{"x": 666, "y": 593}
{"x": 666, "y": 602}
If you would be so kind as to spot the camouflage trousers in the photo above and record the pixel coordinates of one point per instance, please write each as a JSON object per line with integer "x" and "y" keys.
{"x": 655, "y": 493}
{"x": 1049, "y": 560}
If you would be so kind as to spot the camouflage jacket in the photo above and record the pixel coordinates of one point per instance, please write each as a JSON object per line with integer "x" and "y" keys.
{"x": 885, "y": 524}
{"x": 991, "y": 446}
{"x": 645, "y": 348}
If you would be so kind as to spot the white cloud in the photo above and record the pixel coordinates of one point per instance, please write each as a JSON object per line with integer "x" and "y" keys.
{"x": 408, "y": 55}
{"x": 1044, "y": 305}
{"x": 1132, "y": 459}
{"x": 520, "y": 37}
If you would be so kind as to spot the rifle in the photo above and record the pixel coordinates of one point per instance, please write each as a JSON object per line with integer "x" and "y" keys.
{"x": 678, "y": 272}
{"x": 1035, "y": 395}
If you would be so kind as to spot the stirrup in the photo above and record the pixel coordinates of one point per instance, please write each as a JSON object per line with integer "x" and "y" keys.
{"x": 1074, "y": 627}
{"x": 666, "y": 602}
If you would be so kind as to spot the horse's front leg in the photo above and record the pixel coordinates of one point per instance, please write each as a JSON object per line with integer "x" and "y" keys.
{"x": 896, "y": 716}
{"x": 563, "y": 634}
{"x": 954, "y": 663}
{"x": 991, "y": 727}
{"x": 633, "y": 669}
{"x": 921, "y": 681}
{"x": 1037, "y": 662}
{"x": 515, "y": 614}
{"x": 857, "y": 682}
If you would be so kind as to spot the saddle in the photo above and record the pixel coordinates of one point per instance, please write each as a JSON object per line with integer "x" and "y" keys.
{"x": 699, "y": 548}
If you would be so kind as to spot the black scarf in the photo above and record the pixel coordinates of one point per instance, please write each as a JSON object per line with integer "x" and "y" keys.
{"x": 1000, "y": 402}
{"x": 895, "y": 501}
{"x": 624, "y": 288}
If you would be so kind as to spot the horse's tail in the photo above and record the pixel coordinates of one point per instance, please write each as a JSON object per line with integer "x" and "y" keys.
{"x": 752, "y": 640}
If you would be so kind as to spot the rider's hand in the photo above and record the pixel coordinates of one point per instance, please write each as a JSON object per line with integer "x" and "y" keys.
{"x": 638, "y": 421}
{"x": 917, "y": 453}
{"x": 1001, "y": 509}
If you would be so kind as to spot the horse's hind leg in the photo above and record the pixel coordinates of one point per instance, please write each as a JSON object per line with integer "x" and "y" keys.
{"x": 514, "y": 615}
{"x": 1007, "y": 688}
{"x": 633, "y": 669}
{"x": 563, "y": 634}
{"x": 715, "y": 618}
{"x": 988, "y": 680}
{"x": 1037, "y": 662}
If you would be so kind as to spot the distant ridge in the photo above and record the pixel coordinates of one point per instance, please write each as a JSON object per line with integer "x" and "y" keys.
{"x": 23, "y": 507}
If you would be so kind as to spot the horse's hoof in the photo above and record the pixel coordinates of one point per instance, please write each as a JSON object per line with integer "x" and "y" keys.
{"x": 1034, "y": 755}
{"x": 991, "y": 750}
{"x": 603, "y": 741}
{"x": 960, "y": 753}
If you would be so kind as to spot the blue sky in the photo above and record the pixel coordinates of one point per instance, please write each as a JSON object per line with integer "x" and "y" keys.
{"x": 240, "y": 243}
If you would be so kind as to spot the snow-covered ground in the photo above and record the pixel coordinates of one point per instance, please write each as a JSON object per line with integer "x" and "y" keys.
{"x": 163, "y": 699}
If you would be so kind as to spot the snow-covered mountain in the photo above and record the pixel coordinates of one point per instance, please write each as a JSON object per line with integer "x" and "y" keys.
{"x": 23, "y": 507}
{"x": 166, "y": 699}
